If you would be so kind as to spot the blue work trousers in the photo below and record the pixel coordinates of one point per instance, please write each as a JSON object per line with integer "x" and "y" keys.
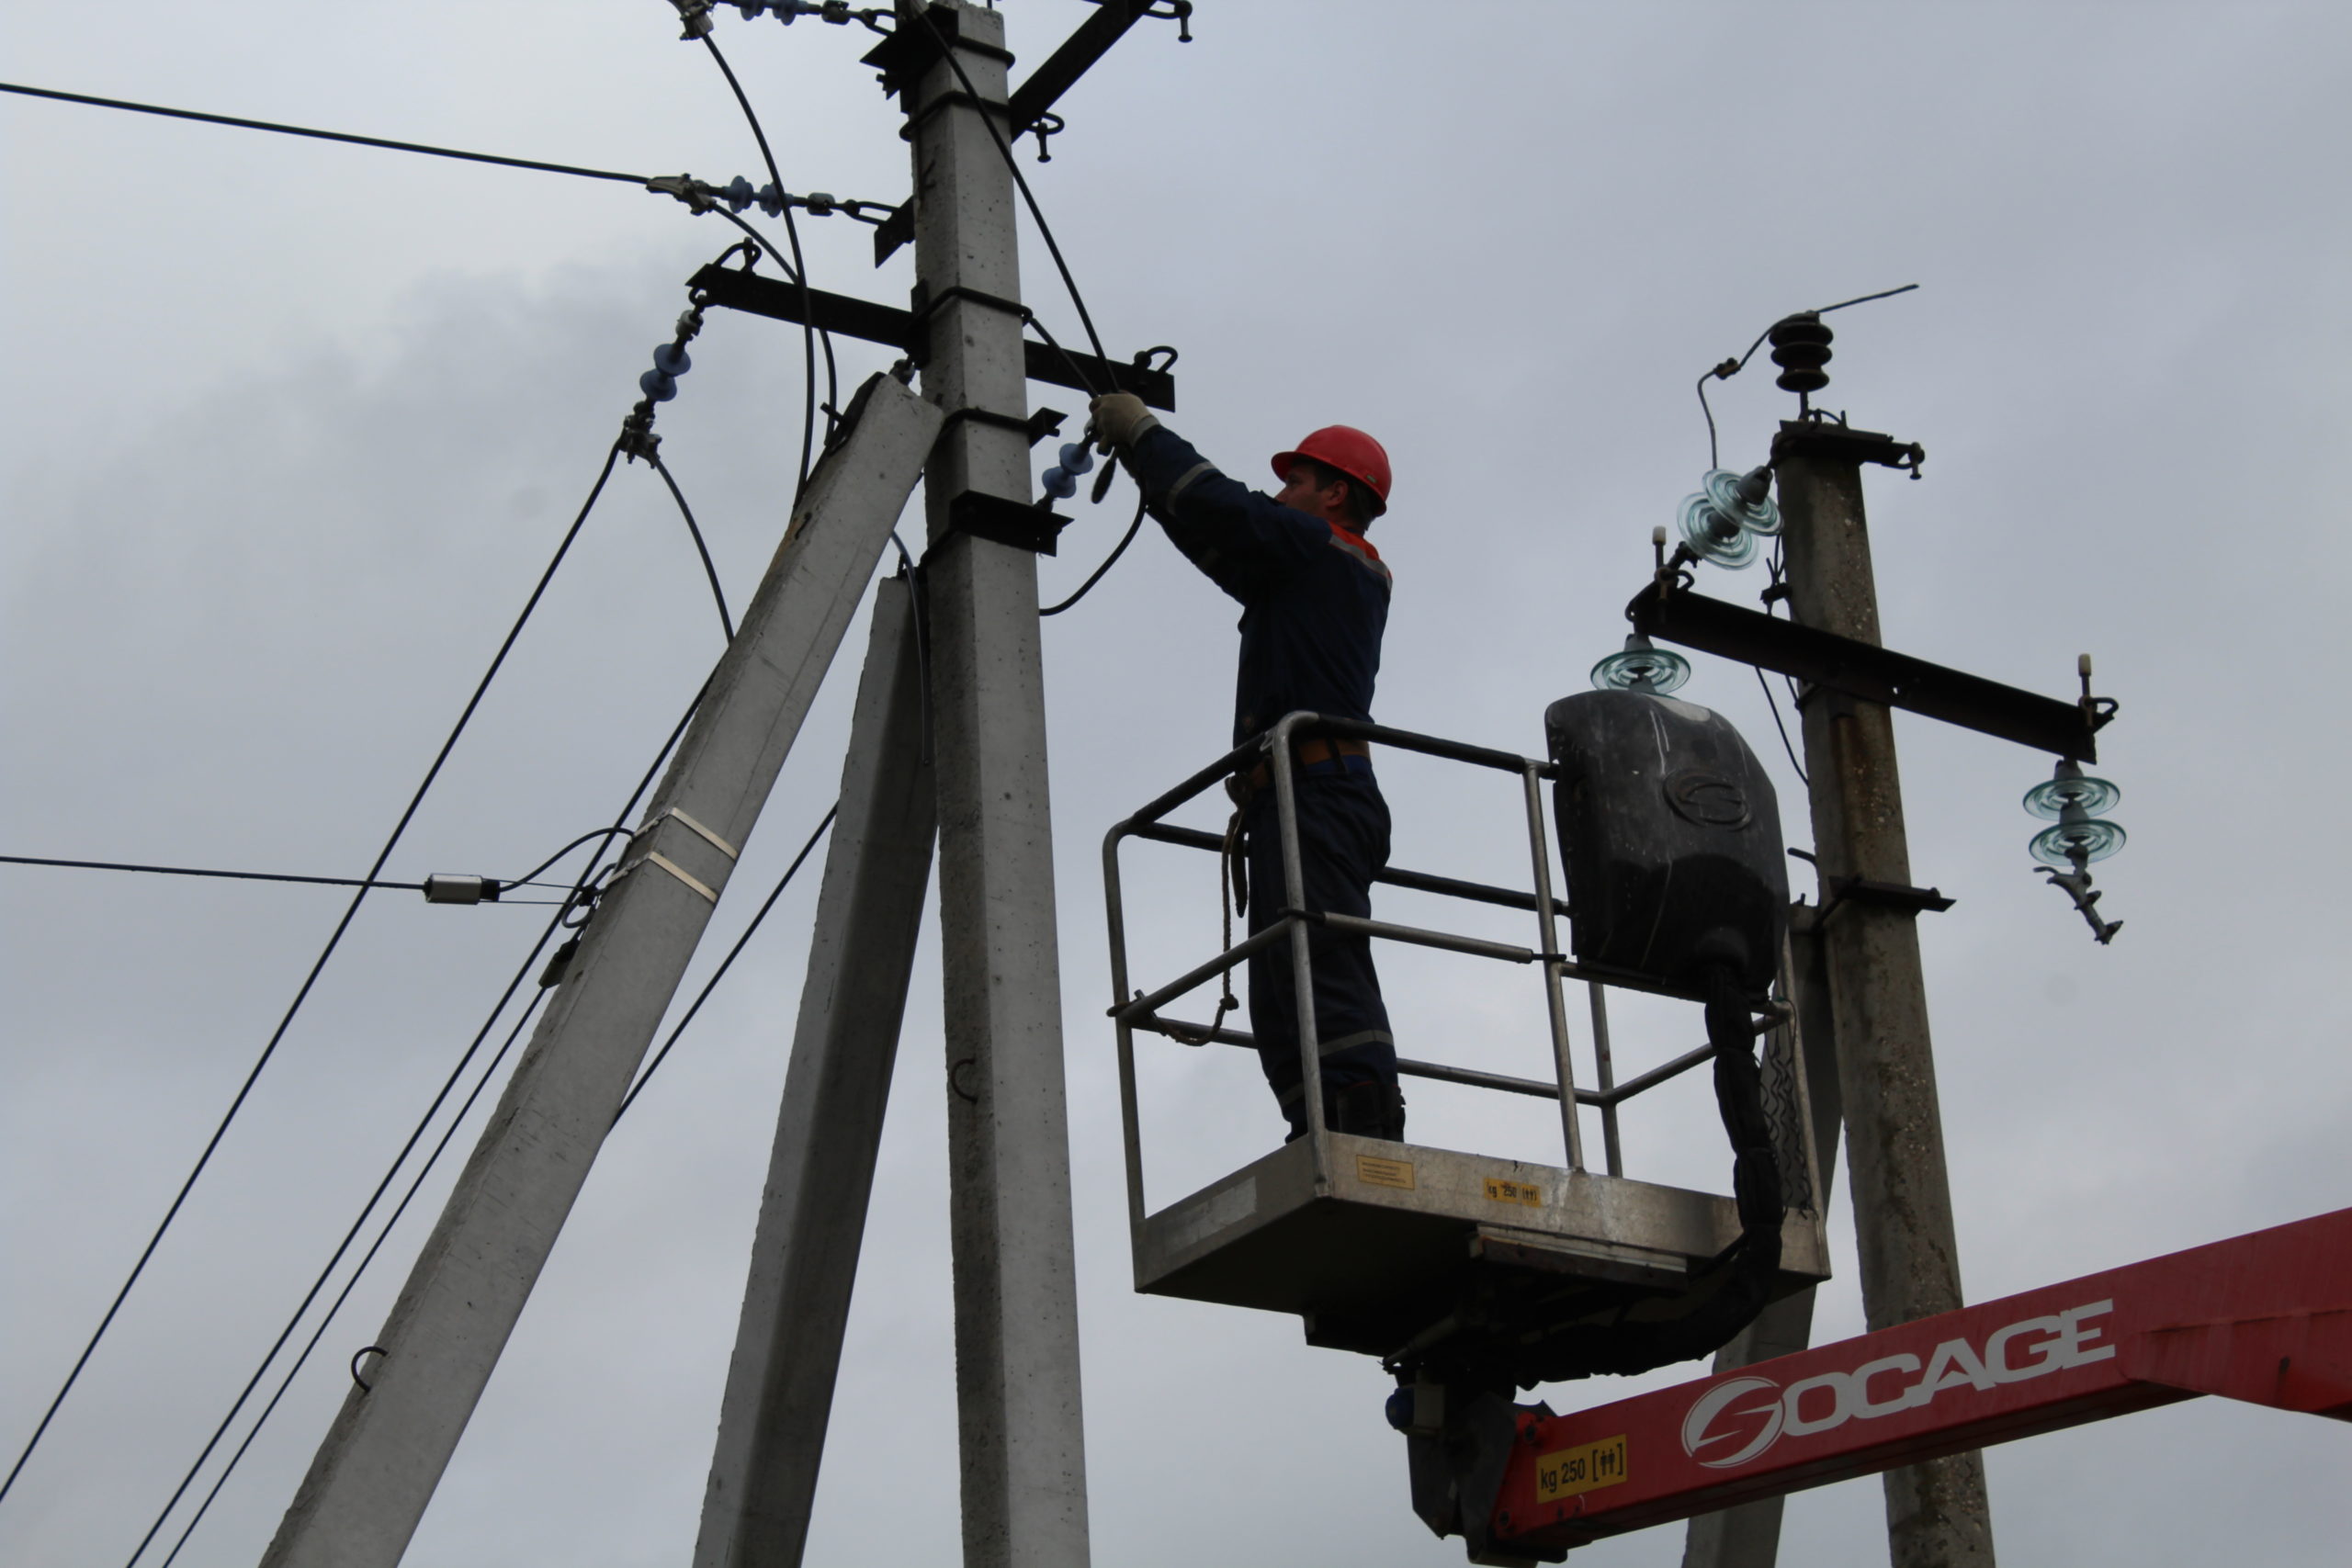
{"x": 1343, "y": 841}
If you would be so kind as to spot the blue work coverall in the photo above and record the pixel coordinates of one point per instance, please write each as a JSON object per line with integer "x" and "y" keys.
{"x": 1314, "y": 603}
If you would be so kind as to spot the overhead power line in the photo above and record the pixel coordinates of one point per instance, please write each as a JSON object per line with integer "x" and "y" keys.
{"x": 192, "y": 871}
{"x": 318, "y": 966}
{"x": 318, "y": 135}
{"x": 334, "y": 1307}
{"x": 587, "y": 876}
{"x": 448, "y": 1086}
{"x": 264, "y": 875}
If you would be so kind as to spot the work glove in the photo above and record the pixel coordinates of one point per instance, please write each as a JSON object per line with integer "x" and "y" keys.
{"x": 1120, "y": 419}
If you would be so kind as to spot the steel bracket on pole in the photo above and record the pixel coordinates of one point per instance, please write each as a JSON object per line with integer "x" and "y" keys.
{"x": 1024, "y": 528}
{"x": 1842, "y": 442}
{"x": 1899, "y": 896}
{"x": 1867, "y": 671}
{"x": 903, "y": 330}
{"x": 913, "y": 47}
{"x": 1089, "y": 42}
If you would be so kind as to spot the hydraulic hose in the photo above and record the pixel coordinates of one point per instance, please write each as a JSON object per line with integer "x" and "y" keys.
{"x": 1726, "y": 1292}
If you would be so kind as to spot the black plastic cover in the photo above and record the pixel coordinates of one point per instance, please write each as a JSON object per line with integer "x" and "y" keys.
{"x": 1671, "y": 833}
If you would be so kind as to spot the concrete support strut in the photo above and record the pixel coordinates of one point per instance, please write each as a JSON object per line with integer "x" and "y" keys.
{"x": 812, "y": 1214}
{"x": 1937, "y": 1515}
{"x": 1024, "y": 1460}
{"x": 376, "y": 1471}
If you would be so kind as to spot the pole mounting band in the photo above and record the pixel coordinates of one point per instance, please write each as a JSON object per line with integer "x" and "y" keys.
{"x": 655, "y": 857}
{"x": 721, "y": 845}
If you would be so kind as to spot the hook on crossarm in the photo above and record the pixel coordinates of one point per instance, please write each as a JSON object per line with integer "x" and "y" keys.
{"x": 1178, "y": 11}
{"x": 1049, "y": 124}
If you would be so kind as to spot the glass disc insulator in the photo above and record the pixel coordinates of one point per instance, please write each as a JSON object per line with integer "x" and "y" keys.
{"x": 1655, "y": 669}
{"x": 2099, "y": 838}
{"x": 1722, "y": 488}
{"x": 2049, "y": 798}
{"x": 1713, "y": 535}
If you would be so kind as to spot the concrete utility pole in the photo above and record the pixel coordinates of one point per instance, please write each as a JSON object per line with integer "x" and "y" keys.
{"x": 812, "y": 1214}
{"x": 1938, "y": 1516}
{"x": 1016, "y": 1290}
{"x": 377, "y": 1470}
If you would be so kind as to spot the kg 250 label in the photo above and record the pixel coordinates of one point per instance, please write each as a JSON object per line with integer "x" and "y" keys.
{"x": 1588, "y": 1467}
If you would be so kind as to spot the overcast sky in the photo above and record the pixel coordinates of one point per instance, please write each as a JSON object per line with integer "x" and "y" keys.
{"x": 291, "y": 429}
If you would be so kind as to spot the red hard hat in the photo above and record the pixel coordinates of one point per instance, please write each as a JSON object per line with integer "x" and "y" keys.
{"x": 1348, "y": 449}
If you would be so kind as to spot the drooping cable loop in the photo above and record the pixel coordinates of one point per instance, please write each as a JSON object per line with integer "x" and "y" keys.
{"x": 1108, "y": 562}
{"x": 808, "y": 335}
{"x": 726, "y": 621}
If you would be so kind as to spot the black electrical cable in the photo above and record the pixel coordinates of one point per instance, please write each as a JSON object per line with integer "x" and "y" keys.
{"x": 334, "y": 1307}
{"x": 1773, "y": 702}
{"x": 726, "y": 621}
{"x": 1772, "y": 566}
{"x": 1731, "y": 367}
{"x": 294, "y": 1321}
{"x": 322, "y": 135}
{"x": 1013, "y": 164}
{"x": 1714, "y": 458}
{"x": 1862, "y": 300}
{"x": 1029, "y": 318}
{"x": 1108, "y": 562}
{"x": 317, "y": 968}
{"x": 585, "y": 837}
{"x": 800, "y": 270}
{"x": 720, "y": 973}
{"x": 392, "y": 1173}
{"x": 260, "y": 876}
{"x": 191, "y": 871}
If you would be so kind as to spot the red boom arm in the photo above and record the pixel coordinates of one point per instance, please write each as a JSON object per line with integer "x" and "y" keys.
{"x": 2266, "y": 1318}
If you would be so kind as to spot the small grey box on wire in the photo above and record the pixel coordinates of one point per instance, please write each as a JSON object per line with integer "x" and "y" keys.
{"x": 445, "y": 888}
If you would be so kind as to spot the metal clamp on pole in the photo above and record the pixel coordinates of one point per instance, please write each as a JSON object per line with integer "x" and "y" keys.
{"x": 1013, "y": 523}
{"x": 1897, "y": 896}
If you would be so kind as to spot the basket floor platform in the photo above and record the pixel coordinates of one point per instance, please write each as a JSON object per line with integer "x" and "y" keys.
{"x": 1405, "y": 1235}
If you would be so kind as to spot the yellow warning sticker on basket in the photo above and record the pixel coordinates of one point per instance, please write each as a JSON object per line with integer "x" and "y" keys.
{"x": 1588, "y": 1467}
{"x": 1514, "y": 1192}
{"x": 1373, "y": 1171}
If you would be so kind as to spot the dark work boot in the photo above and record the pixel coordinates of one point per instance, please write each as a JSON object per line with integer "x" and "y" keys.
{"x": 1369, "y": 1110}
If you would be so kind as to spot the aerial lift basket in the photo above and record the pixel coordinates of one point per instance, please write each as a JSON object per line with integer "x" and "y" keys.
{"x": 1431, "y": 1257}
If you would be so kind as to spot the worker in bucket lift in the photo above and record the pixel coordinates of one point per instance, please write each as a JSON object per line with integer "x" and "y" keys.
{"x": 1313, "y": 602}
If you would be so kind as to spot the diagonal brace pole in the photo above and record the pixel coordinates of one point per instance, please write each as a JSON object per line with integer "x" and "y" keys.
{"x": 812, "y": 1215}
{"x": 377, "y": 1470}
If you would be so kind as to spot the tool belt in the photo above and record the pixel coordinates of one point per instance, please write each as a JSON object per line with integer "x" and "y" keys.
{"x": 1316, "y": 748}
{"x": 1233, "y": 880}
